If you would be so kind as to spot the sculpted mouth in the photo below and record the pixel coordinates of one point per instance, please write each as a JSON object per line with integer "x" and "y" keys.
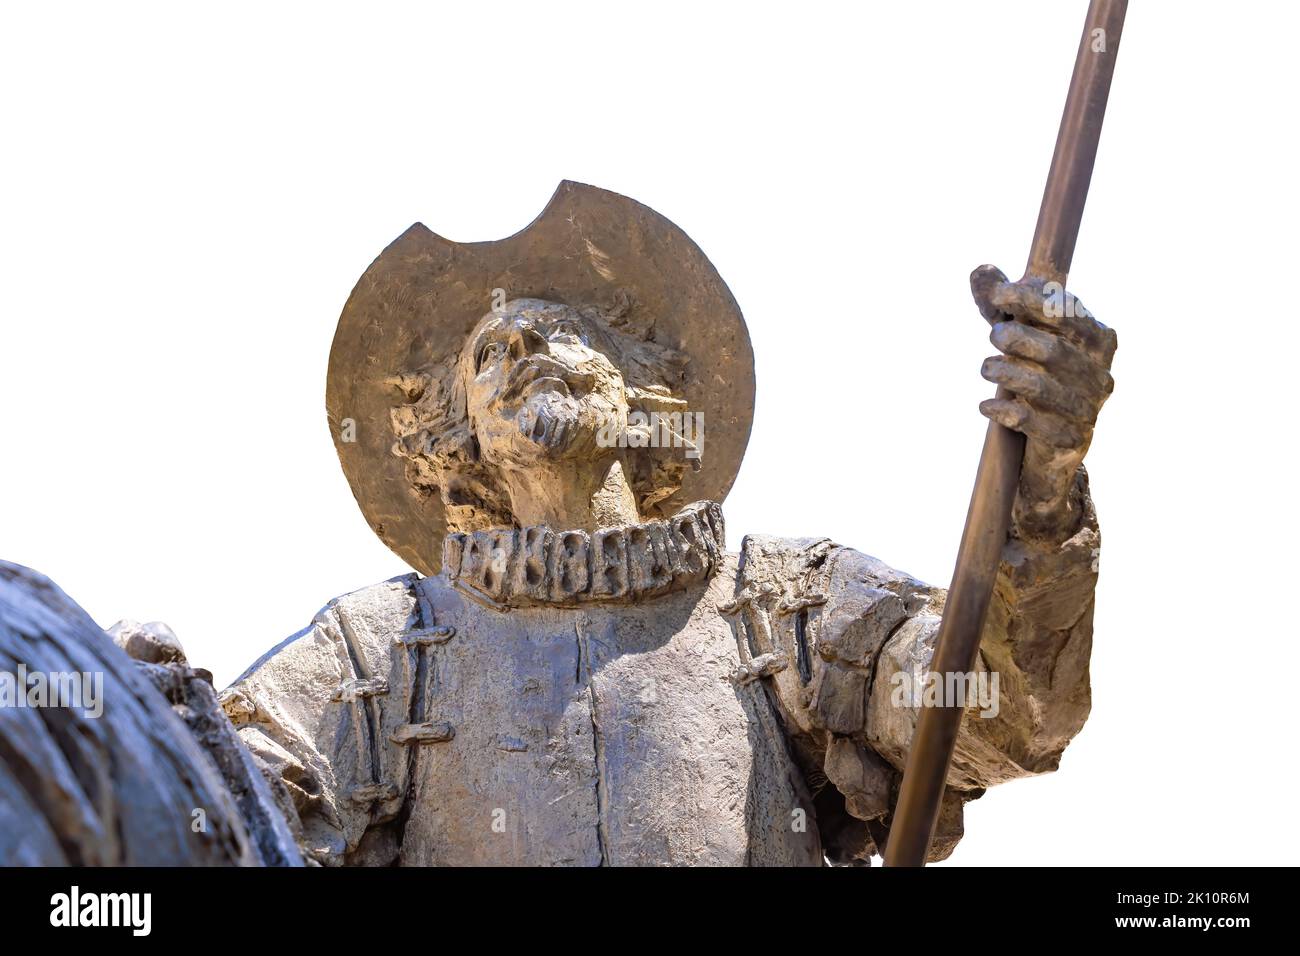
{"x": 541, "y": 373}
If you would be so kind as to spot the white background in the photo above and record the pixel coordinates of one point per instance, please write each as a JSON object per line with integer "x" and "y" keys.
{"x": 189, "y": 196}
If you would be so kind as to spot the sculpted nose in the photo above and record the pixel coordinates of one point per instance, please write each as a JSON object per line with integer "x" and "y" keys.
{"x": 525, "y": 341}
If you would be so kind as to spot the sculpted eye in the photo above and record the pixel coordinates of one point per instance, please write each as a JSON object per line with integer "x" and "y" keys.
{"x": 487, "y": 354}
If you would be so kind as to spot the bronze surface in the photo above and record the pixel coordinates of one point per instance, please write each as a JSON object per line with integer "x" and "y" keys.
{"x": 589, "y": 247}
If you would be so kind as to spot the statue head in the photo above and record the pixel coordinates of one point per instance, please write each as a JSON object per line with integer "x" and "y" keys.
{"x": 547, "y": 414}
{"x": 516, "y": 382}
{"x": 540, "y": 385}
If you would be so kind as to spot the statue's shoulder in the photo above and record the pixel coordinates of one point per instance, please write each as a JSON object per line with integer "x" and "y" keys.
{"x": 352, "y": 631}
{"x": 305, "y": 710}
{"x": 820, "y": 571}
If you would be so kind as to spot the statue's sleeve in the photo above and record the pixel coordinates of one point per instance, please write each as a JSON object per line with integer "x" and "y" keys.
{"x": 843, "y": 643}
{"x": 1031, "y": 685}
{"x": 318, "y": 713}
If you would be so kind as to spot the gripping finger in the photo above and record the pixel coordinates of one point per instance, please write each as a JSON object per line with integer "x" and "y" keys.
{"x": 1034, "y": 305}
{"x": 1031, "y": 381}
{"x": 1051, "y": 429}
{"x": 1054, "y": 352}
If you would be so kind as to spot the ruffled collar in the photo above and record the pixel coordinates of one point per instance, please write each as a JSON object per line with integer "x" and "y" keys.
{"x": 540, "y": 566}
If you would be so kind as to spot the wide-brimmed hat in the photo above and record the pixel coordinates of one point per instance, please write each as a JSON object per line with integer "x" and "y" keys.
{"x": 420, "y": 299}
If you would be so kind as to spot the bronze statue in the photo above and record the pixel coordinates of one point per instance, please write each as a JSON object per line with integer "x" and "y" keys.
{"x": 582, "y": 674}
{"x": 579, "y": 672}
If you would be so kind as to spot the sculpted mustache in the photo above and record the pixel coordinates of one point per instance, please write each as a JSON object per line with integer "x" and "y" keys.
{"x": 541, "y": 366}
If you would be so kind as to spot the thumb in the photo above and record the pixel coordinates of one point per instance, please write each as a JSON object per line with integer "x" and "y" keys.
{"x": 984, "y": 282}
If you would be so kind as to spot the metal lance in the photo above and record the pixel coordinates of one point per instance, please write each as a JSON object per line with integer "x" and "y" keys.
{"x": 989, "y": 515}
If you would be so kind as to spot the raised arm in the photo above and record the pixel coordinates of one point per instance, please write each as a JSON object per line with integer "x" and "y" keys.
{"x": 853, "y": 638}
{"x": 1056, "y": 360}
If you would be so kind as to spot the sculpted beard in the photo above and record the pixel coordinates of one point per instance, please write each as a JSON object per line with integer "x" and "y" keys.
{"x": 556, "y": 408}
{"x": 533, "y": 399}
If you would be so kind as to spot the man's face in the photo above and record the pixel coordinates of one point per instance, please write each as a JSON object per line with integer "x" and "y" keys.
{"x": 536, "y": 389}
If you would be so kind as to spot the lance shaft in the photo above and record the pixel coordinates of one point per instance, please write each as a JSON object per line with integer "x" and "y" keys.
{"x": 989, "y": 515}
